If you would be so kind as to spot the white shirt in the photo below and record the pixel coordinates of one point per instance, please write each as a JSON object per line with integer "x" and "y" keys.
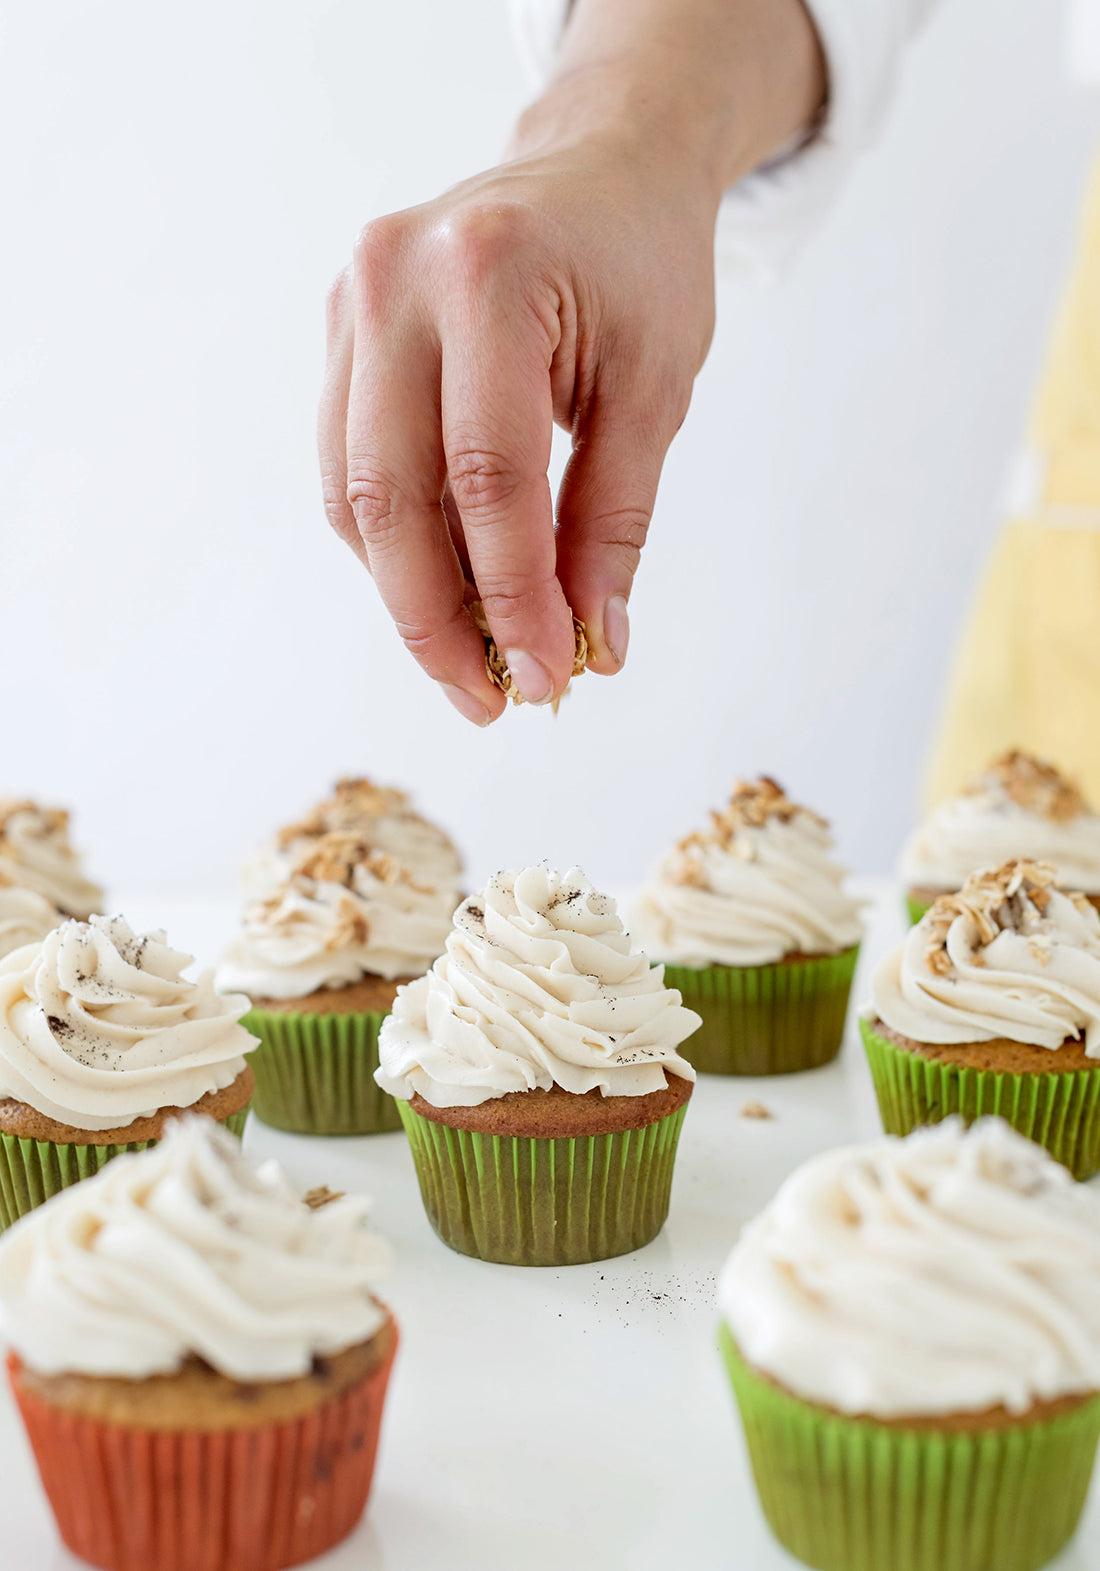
{"x": 767, "y": 217}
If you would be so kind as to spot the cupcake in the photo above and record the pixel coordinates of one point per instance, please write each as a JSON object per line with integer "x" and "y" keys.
{"x": 992, "y": 1005}
{"x": 912, "y": 1329}
{"x": 1020, "y": 807}
{"x": 322, "y": 957}
{"x": 102, "y": 1038}
{"x": 753, "y": 923}
{"x": 198, "y": 1358}
{"x": 41, "y": 879}
{"x": 382, "y": 816}
{"x": 537, "y": 1076}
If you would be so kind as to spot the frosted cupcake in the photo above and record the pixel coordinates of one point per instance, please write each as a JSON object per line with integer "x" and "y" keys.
{"x": 41, "y": 878}
{"x": 756, "y": 930}
{"x": 1020, "y": 807}
{"x": 912, "y": 1328}
{"x": 101, "y": 1039}
{"x": 380, "y": 815}
{"x": 538, "y": 1077}
{"x": 992, "y": 1005}
{"x": 199, "y": 1359}
{"x": 322, "y": 957}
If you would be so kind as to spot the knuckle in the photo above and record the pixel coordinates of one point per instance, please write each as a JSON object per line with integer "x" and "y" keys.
{"x": 482, "y": 235}
{"x": 504, "y": 602}
{"x": 482, "y": 482}
{"x": 370, "y": 495}
{"x": 423, "y": 639}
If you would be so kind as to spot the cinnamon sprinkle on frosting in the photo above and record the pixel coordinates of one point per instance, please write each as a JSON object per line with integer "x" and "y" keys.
{"x": 1034, "y": 785}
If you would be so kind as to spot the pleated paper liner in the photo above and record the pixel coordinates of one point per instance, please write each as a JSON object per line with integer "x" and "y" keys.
{"x": 33, "y": 1170}
{"x": 766, "y": 1020}
{"x": 1059, "y": 1110}
{"x": 553, "y": 1201}
{"x": 246, "y": 1499}
{"x": 315, "y": 1073}
{"x": 849, "y": 1494}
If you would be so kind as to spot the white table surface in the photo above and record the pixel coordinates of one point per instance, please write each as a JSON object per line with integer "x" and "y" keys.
{"x": 540, "y": 1419}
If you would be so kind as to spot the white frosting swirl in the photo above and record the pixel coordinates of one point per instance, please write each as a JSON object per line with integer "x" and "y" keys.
{"x": 366, "y": 916}
{"x": 750, "y": 897}
{"x": 985, "y": 826}
{"x": 539, "y": 986}
{"x": 35, "y": 854}
{"x": 1032, "y": 977}
{"x": 381, "y": 816}
{"x": 99, "y": 1027}
{"x": 952, "y": 1271}
{"x": 24, "y": 917}
{"x": 185, "y": 1249}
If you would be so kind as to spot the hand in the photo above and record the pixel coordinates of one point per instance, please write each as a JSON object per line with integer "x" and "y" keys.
{"x": 575, "y": 284}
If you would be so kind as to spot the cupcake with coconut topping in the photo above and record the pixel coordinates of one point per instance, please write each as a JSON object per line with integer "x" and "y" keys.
{"x": 41, "y": 878}
{"x": 102, "y": 1038}
{"x": 322, "y": 956}
{"x": 199, "y": 1358}
{"x": 992, "y": 1005}
{"x": 912, "y": 1328}
{"x": 1019, "y": 807}
{"x": 539, "y": 1078}
{"x": 757, "y": 931}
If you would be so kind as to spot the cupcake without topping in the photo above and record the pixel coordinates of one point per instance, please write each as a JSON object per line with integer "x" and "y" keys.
{"x": 912, "y": 1329}
{"x": 199, "y": 1358}
{"x": 322, "y": 957}
{"x": 992, "y": 1005}
{"x": 1019, "y": 807}
{"x": 756, "y": 930}
{"x": 101, "y": 1039}
{"x": 537, "y": 1075}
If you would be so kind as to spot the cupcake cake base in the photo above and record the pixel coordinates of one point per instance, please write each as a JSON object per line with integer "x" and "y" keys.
{"x": 1052, "y": 1097}
{"x": 548, "y": 1178}
{"x": 989, "y": 1491}
{"x": 40, "y": 1156}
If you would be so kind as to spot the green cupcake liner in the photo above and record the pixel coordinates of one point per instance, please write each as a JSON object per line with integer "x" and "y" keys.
{"x": 915, "y": 909}
{"x": 553, "y": 1201}
{"x": 33, "y": 1170}
{"x": 849, "y": 1494}
{"x": 315, "y": 1073}
{"x": 766, "y": 1020}
{"x": 1059, "y": 1109}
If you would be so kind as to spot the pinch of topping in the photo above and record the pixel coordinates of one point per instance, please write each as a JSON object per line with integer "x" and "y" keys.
{"x": 497, "y": 667}
{"x": 996, "y": 901}
{"x": 1032, "y": 784}
{"x": 752, "y": 804}
{"x": 755, "y": 1110}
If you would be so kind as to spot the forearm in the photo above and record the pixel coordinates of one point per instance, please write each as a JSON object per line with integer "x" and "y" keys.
{"x": 716, "y": 86}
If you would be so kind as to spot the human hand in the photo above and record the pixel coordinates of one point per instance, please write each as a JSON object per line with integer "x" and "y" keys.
{"x": 572, "y": 284}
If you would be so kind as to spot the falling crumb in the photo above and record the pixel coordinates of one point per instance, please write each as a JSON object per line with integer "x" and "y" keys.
{"x": 321, "y": 1196}
{"x": 755, "y": 1110}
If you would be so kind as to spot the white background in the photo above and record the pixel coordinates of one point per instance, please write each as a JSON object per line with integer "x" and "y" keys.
{"x": 188, "y": 656}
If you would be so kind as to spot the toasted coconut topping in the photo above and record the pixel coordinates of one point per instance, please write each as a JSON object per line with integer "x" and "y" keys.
{"x": 51, "y": 820}
{"x": 752, "y": 805}
{"x": 997, "y": 902}
{"x": 497, "y": 667}
{"x": 335, "y": 858}
{"x": 353, "y": 799}
{"x": 321, "y": 1196}
{"x": 1033, "y": 784}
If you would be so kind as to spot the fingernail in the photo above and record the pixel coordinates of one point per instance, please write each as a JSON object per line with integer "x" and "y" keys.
{"x": 530, "y": 676}
{"x": 469, "y": 707}
{"x": 616, "y": 628}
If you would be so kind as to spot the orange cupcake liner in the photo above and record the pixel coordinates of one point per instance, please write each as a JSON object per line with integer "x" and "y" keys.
{"x": 247, "y": 1499}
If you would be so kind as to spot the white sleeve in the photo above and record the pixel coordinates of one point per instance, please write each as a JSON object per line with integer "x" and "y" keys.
{"x": 766, "y": 217}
